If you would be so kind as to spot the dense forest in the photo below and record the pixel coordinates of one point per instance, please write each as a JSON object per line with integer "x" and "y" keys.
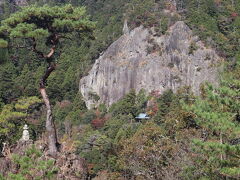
{"x": 186, "y": 136}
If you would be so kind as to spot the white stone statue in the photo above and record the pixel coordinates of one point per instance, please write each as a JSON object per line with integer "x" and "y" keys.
{"x": 3, "y": 149}
{"x": 25, "y": 136}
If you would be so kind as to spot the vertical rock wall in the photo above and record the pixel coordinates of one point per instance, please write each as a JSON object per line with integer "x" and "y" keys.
{"x": 141, "y": 59}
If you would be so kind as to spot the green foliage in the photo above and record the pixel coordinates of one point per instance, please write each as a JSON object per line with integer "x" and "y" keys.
{"x": 216, "y": 22}
{"x": 115, "y": 124}
{"x": 3, "y": 43}
{"x": 131, "y": 104}
{"x": 3, "y": 55}
{"x": 100, "y": 146}
{"x": 12, "y": 118}
{"x": 149, "y": 13}
{"x": 1, "y": 177}
{"x": 116, "y": 147}
{"x": 27, "y": 81}
{"x": 38, "y": 28}
{"x": 24, "y": 104}
{"x": 193, "y": 47}
{"x": 74, "y": 113}
{"x": 8, "y": 119}
{"x": 126, "y": 105}
{"x": 31, "y": 165}
{"x": 164, "y": 103}
{"x": 39, "y": 22}
{"x": 8, "y": 90}
{"x": 94, "y": 96}
{"x": 217, "y": 112}
{"x": 147, "y": 152}
{"x": 94, "y": 147}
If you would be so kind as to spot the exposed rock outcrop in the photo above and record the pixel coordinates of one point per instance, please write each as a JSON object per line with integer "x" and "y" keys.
{"x": 21, "y": 2}
{"x": 141, "y": 59}
{"x": 68, "y": 164}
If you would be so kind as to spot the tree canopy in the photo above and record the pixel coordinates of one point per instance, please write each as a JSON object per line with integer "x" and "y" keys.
{"x": 45, "y": 26}
{"x": 47, "y": 22}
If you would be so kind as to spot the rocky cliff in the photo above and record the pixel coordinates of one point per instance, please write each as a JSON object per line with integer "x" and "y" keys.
{"x": 141, "y": 59}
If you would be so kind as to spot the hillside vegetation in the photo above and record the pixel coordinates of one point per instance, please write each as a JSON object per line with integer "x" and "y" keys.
{"x": 186, "y": 137}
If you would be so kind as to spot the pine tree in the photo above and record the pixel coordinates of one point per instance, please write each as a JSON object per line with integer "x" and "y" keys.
{"x": 42, "y": 29}
{"x": 12, "y": 118}
{"x": 217, "y": 113}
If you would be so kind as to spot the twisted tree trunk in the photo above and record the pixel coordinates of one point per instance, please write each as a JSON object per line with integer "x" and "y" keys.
{"x": 50, "y": 127}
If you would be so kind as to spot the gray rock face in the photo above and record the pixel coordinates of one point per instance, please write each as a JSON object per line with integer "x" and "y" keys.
{"x": 141, "y": 60}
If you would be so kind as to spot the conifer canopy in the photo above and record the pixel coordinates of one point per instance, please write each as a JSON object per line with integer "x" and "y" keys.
{"x": 44, "y": 22}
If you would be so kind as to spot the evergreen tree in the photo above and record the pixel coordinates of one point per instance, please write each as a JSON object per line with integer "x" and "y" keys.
{"x": 217, "y": 113}
{"x": 43, "y": 29}
{"x": 12, "y": 118}
{"x": 32, "y": 166}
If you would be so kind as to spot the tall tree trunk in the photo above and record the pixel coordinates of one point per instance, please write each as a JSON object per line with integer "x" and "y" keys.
{"x": 221, "y": 142}
{"x": 50, "y": 127}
